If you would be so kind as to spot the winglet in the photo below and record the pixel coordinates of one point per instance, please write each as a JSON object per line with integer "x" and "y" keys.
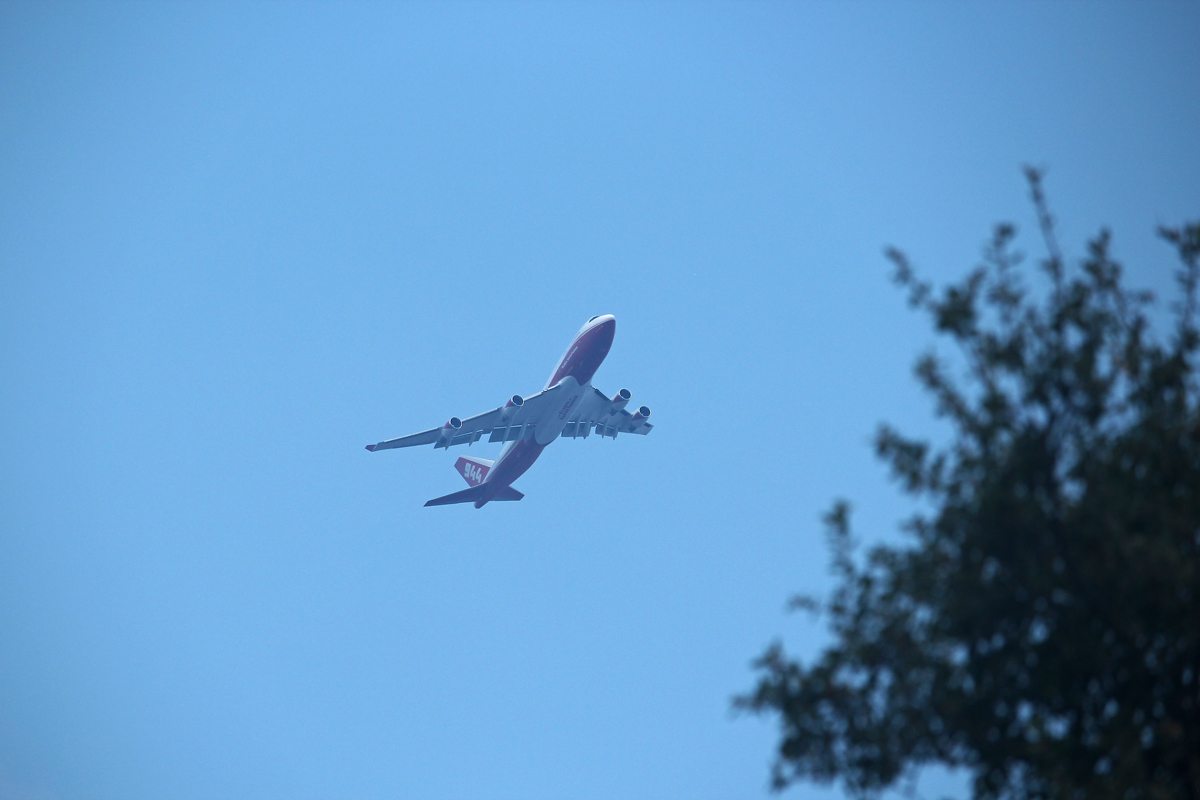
{"x": 371, "y": 447}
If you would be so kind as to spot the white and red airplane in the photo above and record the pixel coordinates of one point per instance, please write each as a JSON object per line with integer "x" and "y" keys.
{"x": 568, "y": 406}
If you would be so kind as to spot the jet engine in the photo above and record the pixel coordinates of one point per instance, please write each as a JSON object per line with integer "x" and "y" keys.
{"x": 511, "y": 408}
{"x": 639, "y": 419}
{"x": 452, "y": 426}
{"x": 619, "y": 400}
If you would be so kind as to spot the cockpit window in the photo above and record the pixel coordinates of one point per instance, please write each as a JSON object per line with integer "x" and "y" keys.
{"x": 594, "y": 318}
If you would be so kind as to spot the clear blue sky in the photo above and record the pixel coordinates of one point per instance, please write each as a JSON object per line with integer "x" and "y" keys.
{"x": 240, "y": 241}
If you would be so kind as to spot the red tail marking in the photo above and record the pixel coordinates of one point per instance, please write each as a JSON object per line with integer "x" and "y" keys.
{"x": 473, "y": 473}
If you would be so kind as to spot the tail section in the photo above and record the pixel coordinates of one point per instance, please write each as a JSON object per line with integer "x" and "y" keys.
{"x": 473, "y": 495}
{"x": 473, "y": 470}
{"x": 465, "y": 496}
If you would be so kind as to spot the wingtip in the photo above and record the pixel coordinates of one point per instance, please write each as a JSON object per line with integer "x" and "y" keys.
{"x": 371, "y": 447}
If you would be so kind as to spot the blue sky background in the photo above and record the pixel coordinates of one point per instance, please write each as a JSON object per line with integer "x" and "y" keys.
{"x": 238, "y": 242}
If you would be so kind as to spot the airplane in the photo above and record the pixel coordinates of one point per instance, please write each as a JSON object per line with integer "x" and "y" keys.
{"x": 569, "y": 406}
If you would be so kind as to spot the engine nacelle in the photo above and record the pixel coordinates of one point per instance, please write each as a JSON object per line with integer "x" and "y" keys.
{"x": 511, "y": 408}
{"x": 452, "y": 427}
{"x": 619, "y": 400}
{"x": 639, "y": 418}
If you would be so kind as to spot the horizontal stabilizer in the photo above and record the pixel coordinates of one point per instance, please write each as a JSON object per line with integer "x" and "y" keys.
{"x": 465, "y": 496}
{"x": 473, "y": 494}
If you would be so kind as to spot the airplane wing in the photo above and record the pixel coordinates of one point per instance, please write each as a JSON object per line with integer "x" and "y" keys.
{"x": 593, "y": 413}
{"x": 517, "y": 426}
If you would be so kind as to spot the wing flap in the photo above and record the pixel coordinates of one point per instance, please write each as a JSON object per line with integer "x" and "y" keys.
{"x": 593, "y": 415}
{"x": 424, "y": 437}
{"x": 512, "y": 433}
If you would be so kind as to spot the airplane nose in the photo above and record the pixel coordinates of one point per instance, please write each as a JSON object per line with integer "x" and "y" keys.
{"x": 605, "y": 323}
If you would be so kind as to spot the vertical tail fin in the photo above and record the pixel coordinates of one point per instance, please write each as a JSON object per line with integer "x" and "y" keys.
{"x": 473, "y": 470}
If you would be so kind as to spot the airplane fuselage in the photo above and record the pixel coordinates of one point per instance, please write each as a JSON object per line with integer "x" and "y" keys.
{"x": 568, "y": 407}
{"x": 574, "y": 372}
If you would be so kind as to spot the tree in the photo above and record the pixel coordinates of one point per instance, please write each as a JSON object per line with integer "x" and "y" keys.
{"x": 1040, "y": 626}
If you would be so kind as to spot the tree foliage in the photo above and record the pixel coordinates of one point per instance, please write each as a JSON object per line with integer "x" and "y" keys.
{"x": 1039, "y": 627}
